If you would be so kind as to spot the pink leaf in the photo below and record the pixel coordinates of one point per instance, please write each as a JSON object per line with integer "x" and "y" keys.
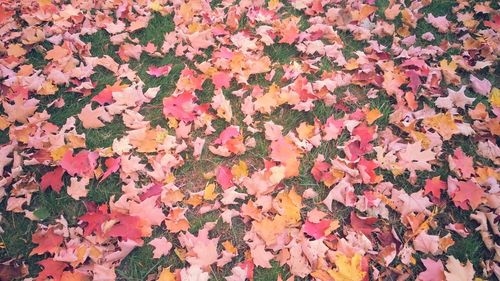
{"x": 221, "y": 80}
{"x": 158, "y": 71}
{"x": 434, "y": 271}
{"x": 224, "y": 177}
{"x": 162, "y": 247}
{"x": 82, "y": 163}
{"x": 181, "y": 107}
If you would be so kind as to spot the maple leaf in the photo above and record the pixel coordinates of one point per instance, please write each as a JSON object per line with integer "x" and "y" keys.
{"x": 458, "y": 272}
{"x": 82, "y": 163}
{"x": 53, "y": 179}
{"x": 77, "y": 188}
{"x": 93, "y": 220}
{"x": 317, "y": 230}
{"x": 181, "y": 107}
{"x": 428, "y": 244}
{"x": 461, "y": 163}
{"x": 176, "y": 220}
{"x": 74, "y": 276}
{"x": 482, "y": 87}
{"x": 363, "y": 225}
{"x": 194, "y": 273}
{"x": 48, "y": 242}
{"x": 441, "y": 23}
{"x": 468, "y": 192}
{"x": 203, "y": 250}
{"x": 112, "y": 165}
{"x": 159, "y": 71}
{"x": 128, "y": 227}
{"x": 347, "y": 269}
{"x": 57, "y": 53}
{"x": 413, "y": 158}
{"x": 261, "y": 257}
{"x": 289, "y": 205}
{"x": 224, "y": 177}
{"x": 444, "y": 124}
{"x": 51, "y": 268}
{"x": 106, "y": 95}
{"x": 162, "y": 247}
{"x": 406, "y": 203}
{"x": 343, "y": 192}
{"x": 284, "y": 151}
{"x": 166, "y": 275}
{"x": 221, "y": 80}
{"x": 434, "y": 271}
{"x": 93, "y": 118}
{"x": 289, "y": 30}
{"x": 454, "y": 98}
{"x": 20, "y": 110}
{"x": 148, "y": 211}
{"x": 434, "y": 186}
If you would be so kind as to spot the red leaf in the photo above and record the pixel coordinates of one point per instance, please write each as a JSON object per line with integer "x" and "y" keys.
{"x": 316, "y": 230}
{"x": 363, "y": 225}
{"x": 158, "y": 71}
{"x": 52, "y": 269}
{"x": 106, "y": 95}
{"x": 53, "y": 179}
{"x": 224, "y": 177}
{"x": 82, "y": 164}
{"x": 47, "y": 242}
{"x": 129, "y": 227}
{"x": 365, "y": 134}
{"x": 112, "y": 165}
{"x": 434, "y": 186}
{"x": 320, "y": 168}
{"x": 94, "y": 220}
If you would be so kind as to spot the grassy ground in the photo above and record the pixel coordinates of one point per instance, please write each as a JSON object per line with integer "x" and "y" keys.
{"x": 138, "y": 265}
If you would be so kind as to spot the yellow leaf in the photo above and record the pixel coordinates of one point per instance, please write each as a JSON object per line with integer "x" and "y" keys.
{"x": 364, "y": 12}
{"x": 269, "y": 230}
{"x": 75, "y": 141}
{"x": 443, "y": 124}
{"x": 166, "y": 275}
{"x": 495, "y": 97}
{"x": 305, "y": 131}
{"x": 4, "y": 124}
{"x": 228, "y": 246}
{"x": 169, "y": 179}
{"x": 173, "y": 123}
{"x": 181, "y": 253}
{"x": 290, "y": 204}
{"x": 209, "y": 193}
{"x": 239, "y": 170}
{"x": 194, "y": 200}
{"x": 373, "y": 115}
{"x": 348, "y": 269}
{"x": 156, "y": 6}
{"x": 58, "y": 153}
{"x": 44, "y": 2}
{"x": 273, "y": 4}
{"x": 47, "y": 89}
